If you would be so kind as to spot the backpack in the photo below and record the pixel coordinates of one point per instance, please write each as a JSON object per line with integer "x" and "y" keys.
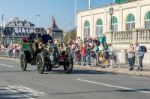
{"x": 143, "y": 49}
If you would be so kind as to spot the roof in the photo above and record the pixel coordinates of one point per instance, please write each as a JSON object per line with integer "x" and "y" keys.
{"x": 54, "y": 26}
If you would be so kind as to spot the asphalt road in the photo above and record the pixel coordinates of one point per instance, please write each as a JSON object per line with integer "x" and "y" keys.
{"x": 81, "y": 84}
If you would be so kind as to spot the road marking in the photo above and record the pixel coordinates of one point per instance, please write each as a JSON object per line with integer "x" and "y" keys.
{"x": 113, "y": 86}
{"x": 6, "y": 65}
{"x": 12, "y": 90}
{"x": 30, "y": 91}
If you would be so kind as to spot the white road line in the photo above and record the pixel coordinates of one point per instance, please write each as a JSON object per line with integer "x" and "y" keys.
{"x": 6, "y": 65}
{"x": 113, "y": 86}
{"x": 28, "y": 90}
{"x": 17, "y": 92}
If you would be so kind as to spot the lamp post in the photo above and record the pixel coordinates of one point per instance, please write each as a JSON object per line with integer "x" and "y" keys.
{"x": 89, "y": 4}
{"x": 13, "y": 37}
{"x": 111, "y": 10}
{"x": 75, "y": 12}
{"x": 2, "y": 17}
{"x": 38, "y": 20}
{"x": 2, "y": 36}
{"x": 69, "y": 36}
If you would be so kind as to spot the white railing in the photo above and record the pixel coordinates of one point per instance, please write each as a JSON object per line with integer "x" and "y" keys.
{"x": 144, "y": 36}
{"x": 122, "y": 36}
{"x": 138, "y": 35}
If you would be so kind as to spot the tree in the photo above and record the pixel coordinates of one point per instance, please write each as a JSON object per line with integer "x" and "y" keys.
{"x": 70, "y": 35}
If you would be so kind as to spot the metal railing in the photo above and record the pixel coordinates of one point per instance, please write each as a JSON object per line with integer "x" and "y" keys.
{"x": 9, "y": 53}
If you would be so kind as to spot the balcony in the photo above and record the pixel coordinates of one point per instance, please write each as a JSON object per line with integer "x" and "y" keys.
{"x": 123, "y": 38}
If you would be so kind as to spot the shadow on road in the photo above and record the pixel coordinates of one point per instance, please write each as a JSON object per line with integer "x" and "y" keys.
{"x": 60, "y": 71}
{"x": 100, "y": 91}
{"x": 79, "y": 71}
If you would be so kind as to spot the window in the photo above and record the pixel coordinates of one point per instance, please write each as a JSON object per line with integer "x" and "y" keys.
{"x": 86, "y": 28}
{"x": 114, "y": 23}
{"x": 130, "y": 22}
{"x": 99, "y": 28}
{"x": 147, "y": 20}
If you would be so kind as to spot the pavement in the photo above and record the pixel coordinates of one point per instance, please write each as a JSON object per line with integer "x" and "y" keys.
{"x": 121, "y": 69}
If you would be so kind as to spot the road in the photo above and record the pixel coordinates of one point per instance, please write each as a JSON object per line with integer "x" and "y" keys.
{"x": 81, "y": 84}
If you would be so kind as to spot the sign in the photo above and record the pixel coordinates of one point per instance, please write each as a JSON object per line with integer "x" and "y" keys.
{"x": 123, "y": 1}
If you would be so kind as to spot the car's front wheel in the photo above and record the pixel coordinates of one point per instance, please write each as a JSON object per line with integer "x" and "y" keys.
{"x": 68, "y": 66}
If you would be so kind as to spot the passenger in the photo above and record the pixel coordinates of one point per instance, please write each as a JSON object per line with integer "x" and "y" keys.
{"x": 32, "y": 36}
{"x": 47, "y": 36}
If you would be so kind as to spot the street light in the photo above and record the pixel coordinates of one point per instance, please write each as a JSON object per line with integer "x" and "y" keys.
{"x": 89, "y": 4}
{"x": 69, "y": 36}
{"x": 75, "y": 12}
{"x": 13, "y": 37}
{"x": 111, "y": 11}
{"x": 2, "y": 17}
{"x": 38, "y": 20}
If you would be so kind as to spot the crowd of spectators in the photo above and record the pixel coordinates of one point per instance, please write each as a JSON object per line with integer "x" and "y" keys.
{"x": 92, "y": 52}
{"x": 10, "y": 50}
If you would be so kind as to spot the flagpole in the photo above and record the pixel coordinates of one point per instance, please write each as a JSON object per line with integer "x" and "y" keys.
{"x": 75, "y": 11}
{"x": 2, "y": 17}
{"x": 89, "y": 4}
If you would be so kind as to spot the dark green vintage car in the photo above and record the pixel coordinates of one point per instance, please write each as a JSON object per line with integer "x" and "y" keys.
{"x": 45, "y": 57}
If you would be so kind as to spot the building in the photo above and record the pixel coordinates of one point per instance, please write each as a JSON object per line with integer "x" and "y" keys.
{"x": 125, "y": 22}
{"x": 57, "y": 33}
{"x": 16, "y": 29}
{"x": 125, "y": 17}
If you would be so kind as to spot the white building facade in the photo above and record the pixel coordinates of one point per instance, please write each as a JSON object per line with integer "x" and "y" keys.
{"x": 128, "y": 23}
{"x": 125, "y": 17}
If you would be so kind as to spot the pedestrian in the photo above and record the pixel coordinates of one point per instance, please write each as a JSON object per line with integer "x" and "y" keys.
{"x": 95, "y": 54}
{"x": 88, "y": 56}
{"x": 83, "y": 55}
{"x": 112, "y": 56}
{"x": 140, "y": 55}
{"x": 131, "y": 56}
{"x": 78, "y": 54}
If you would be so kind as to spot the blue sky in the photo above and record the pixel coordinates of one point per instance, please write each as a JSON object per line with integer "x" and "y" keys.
{"x": 62, "y": 10}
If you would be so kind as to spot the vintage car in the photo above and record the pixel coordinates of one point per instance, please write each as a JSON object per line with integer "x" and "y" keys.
{"x": 45, "y": 56}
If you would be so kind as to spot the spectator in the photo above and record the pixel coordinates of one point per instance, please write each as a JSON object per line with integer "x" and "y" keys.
{"x": 88, "y": 56}
{"x": 78, "y": 54}
{"x": 131, "y": 55}
{"x": 112, "y": 56}
{"x": 83, "y": 54}
{"x": 95, "y": 54}
{"x": 140, "y": 55}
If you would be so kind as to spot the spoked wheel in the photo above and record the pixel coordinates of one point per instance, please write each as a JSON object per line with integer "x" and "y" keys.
{"x": 23, "y": 62}
{"x": 40, "y": 62}
{"x": 68, "y": 66}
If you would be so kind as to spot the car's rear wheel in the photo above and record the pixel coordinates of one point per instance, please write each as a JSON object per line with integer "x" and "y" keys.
{"x": 23, "y": 62}
{"x": 40, "y": 62}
